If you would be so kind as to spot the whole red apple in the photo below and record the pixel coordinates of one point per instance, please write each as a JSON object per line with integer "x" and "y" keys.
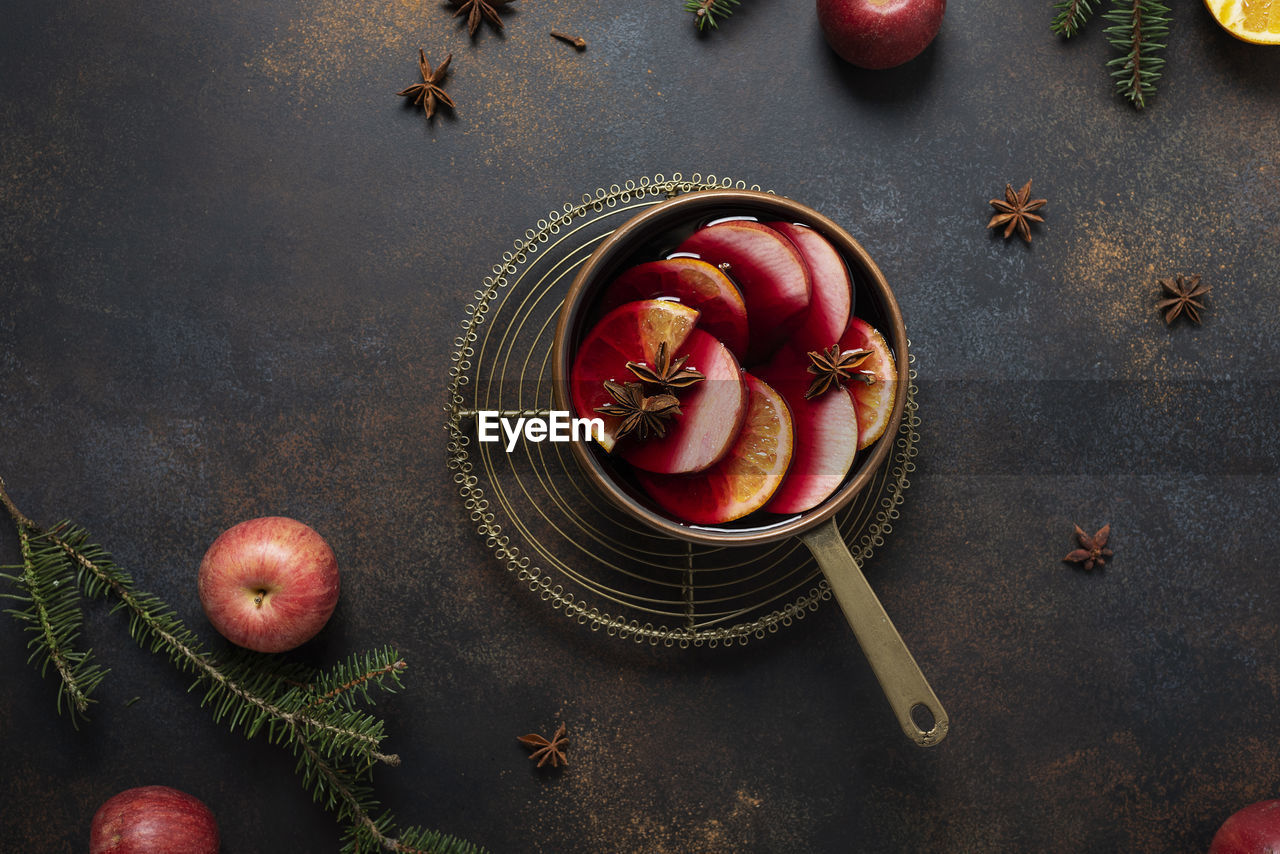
{"x": 269, "y": 584}
{"x": 1253, "y": 830}
{"x": 153, "y": 820}
{"x": 880, "y": 33}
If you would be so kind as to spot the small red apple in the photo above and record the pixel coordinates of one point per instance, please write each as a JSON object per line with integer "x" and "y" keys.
{"x": 153, "y": 820}
{"x": 1253, "y": 830}
{"x": 880, "y": 33}
{"x": 269, "y": 584}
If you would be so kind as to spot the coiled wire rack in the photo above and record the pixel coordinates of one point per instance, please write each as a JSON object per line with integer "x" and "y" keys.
{"x": 548, "y": 528}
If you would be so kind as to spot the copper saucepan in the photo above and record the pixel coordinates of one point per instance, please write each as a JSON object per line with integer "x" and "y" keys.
{"x": 914, "y": 704}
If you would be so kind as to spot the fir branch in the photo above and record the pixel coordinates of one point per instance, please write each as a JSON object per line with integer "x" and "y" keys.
{"x": 346, "y": 793}
{"x": 50, "y": 606}
{"x": 353, "y": 678}
{"x": 1071, "y": 17}
{"x": 154, "y": 624}
{"x": 1137, "y": 26}
{"x": 312, "y": 714}
{"x": 707, "y": 13}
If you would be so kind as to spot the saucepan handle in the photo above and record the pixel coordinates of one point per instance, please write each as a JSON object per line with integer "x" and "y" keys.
{"x": 904, "y": 685}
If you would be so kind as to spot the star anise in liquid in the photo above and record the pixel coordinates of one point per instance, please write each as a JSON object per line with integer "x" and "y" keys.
{"x": 666, "y": 374}
{"x": 478, "y": 11}
{"x": 1184, "y": 298}
{"x": 1093, "y": 550}
{"x": 832, "y": 367}
{"x": 641, "y": 415}
{"x": 1014, "y": 211}
{"x": 548, "y": 751}
{"x": 429, "y": 92}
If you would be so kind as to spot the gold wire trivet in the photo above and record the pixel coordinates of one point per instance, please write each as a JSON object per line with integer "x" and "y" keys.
{"x": 549, "y": 529}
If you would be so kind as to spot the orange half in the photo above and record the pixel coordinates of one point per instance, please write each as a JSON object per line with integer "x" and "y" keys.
{"x": 1256, "y": 21}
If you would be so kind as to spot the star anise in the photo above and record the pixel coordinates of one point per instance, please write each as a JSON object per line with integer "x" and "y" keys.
{"x": 1014, "y": 211}
{"x": 1183, "y": 292}
{"x": 429, "y": 92}
{"x": 666, "y": 374}
{"x": 1093, "y": 550}
{"x": 832, "y": 367}
{"x": 480, "y": 10}
{"x": 640, "y": 415}
{"x": 548, "y": 751}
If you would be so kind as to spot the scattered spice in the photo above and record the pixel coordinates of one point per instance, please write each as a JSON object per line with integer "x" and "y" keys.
{"x": 1014, "y": 211}
{"x": 548, "y": 751}
{"x": 577, "y": 41}
{"x": 666, "y": 374}
{"x": 1184, "y": 292}
{"x": 1093, "y": 550}
{"x": 640, "y": 415}
{"x": 480, "y": 10}
{"x": 833, "y": 367}
{"x": 429, "y": 92}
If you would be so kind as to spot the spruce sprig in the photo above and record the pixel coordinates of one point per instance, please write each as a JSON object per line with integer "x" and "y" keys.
{"x": 707, "y": 13}
{"x": 314, "y": 714}
{"x": 49, "y": 604}
{"x": 1137, "y": 30}
{"x": 1137, "y": 27}
{"x": 1072, "y": 15}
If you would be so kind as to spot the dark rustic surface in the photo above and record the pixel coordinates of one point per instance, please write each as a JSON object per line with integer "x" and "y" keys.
{"x": 232, "y": 265}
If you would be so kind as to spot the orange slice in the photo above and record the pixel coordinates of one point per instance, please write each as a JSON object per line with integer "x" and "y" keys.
{"x": 875, "y": 400}
{"x": 1256, "y": 21}
{"x": 629, "y": 333}
{"x": 694, "y": 283}
{"x": 745, "y": 479}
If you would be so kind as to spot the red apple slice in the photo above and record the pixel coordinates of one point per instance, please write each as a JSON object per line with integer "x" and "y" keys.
{"x": 831, "y": 301}
{"x": 745, "y": 479}
{"x": 826, "y": 435}
{"x": 874, "y": 401}
{"x": 629, "y": 333}
{"x": 711, "y": 413}
{"x": 694, "y": 283}
{"x": 769, "y": 271}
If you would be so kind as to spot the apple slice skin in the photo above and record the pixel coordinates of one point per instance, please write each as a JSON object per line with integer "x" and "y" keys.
{"x": 770, "y": 272}
{"x": 692, "y": 282}
{"x": 629, "y": 333}
{"x": 826, "y": 435}
{"x": 736, "y": 486}
{"x": 831, "y": 300}
{"x": 711, "y": 414}
{"x": 874, "y": 402}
